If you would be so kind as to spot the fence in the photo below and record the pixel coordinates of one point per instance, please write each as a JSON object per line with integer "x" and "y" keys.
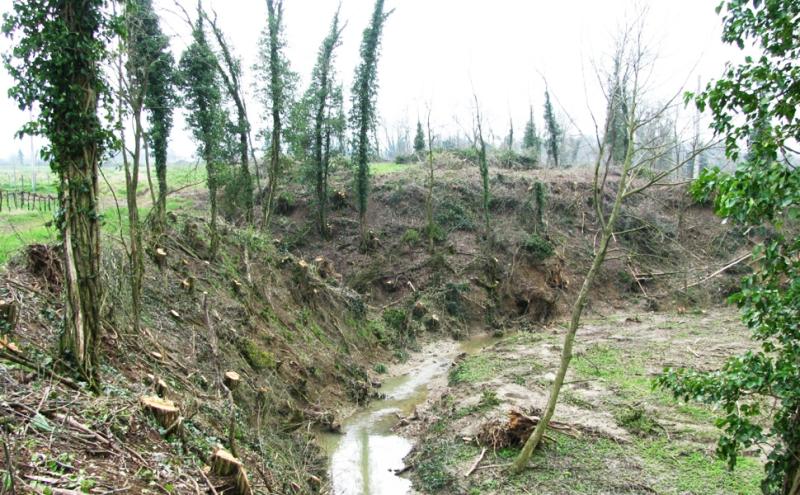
{"x": 26, "y": 200}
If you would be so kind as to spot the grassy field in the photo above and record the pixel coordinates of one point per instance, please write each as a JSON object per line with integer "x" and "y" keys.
{"x": 20, "y": 227}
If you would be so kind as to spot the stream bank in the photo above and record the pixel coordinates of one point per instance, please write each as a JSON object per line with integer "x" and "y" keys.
{"x": 367, "y": 456}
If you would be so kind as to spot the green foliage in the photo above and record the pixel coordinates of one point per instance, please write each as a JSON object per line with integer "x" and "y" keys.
{"x": 395, "y": 319}
{"x": 538, "y": 247}
{"x": 452, "y": 215}
{"x": 380, "y": 368}
{"x": 757, "y": 99}
{"x": 531, "y": 142}
{"x": 257, "y": 357}
{"x": 410, "y": 237}
{"x": 151, "y": 54}
{"x": 363, "y": 113}
{"x": 56, "y": 65}
{"x": 206, "y": 119}
{"x": 328, "y": 121}
{"x": 419, "y": 139}
{"x": 553, "y": 131}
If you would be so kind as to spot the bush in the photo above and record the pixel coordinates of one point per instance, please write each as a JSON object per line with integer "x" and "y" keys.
{"x": 395, "y": 319}
{"x": 435, "y": 231}
{"x": 453, "y": 216}
{"x": 538, "y": 247}
{"x": 404, "y": 159}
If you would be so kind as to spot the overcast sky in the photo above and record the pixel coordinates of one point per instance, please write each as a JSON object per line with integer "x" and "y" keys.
{"x": 436, "y": 51}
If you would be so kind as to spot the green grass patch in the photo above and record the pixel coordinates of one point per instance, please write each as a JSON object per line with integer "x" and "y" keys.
{"x": 386, "y": 168}
{"x": 682, "y": 468}
{"x": 474, "y": 369}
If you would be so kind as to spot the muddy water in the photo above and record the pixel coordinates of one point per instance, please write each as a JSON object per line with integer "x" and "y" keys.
{"x": 366, "y": 455}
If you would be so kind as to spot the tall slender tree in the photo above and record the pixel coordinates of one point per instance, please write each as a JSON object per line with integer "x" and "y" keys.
{"x": 137, "y": 55}
{"x": 277, "y": 94}
{"x": 205, "y": 116}
{"x": 230, "y": 71}
{"x": 363, "y": 114}
{"x": 553, "y": 136}
{"x": 483, "y": 168}
{"x": 156, "y": 66}
{"x": 510, "y": 139}
{"x": 323, "y": 96}
{"x": 56, "y": 66}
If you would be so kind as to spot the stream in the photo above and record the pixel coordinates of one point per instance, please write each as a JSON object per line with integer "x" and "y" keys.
{"x": 366, "y": 455}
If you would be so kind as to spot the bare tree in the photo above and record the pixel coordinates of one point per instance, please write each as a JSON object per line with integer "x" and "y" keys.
{"x": 631, "y": 61}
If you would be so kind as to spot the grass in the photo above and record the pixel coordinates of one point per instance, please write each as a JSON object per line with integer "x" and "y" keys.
{"x": 21, "y": 227}
{"x": 386, "y": 168}
{"x": 473, "y": 369}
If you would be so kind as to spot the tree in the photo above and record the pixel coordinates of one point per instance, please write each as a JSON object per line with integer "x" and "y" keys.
{"x": 230, "y": 71}
{"x": 429, "y": 199}
{"x": 630, "y": 58}
{"x": 553, "y": 131}
{"x": 138, "y": 53}
{"x": 157, "y": 65}
{"x": 56, "y": 66}
{"x": 483, "y": 167}
{"x": 531, "y": 142}
{"x": 510, "y": 138}
{"x": 363, "y": 113}
{"x": 419, "y": 140}
{"x": 757, "y": 101}
{"x": 276, "y": 96}
{"x": 205, "y": 115}
{"x": 325, "y": 99}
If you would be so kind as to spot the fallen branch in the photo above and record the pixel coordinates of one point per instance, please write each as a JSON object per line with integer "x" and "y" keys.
{"x": 721, "y": 270}
{"x": 475, "y": 464}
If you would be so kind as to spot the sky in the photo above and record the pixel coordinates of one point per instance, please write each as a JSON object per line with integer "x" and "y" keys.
{"x": 437, "y": 53}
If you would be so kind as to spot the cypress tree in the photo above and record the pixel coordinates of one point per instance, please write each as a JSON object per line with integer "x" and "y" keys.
{"x": 363, "y": 114}
{"x": 553, "y": 137}
{"x": 531, "y": 142}
{"x": 419, "y": 139}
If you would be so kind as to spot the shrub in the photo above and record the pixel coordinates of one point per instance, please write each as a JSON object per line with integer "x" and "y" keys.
{"x": 453, "y": 216}
{"x": 538, "y": 247}
{"x": 435, "y": 231}
{"x": 395, "y": 319}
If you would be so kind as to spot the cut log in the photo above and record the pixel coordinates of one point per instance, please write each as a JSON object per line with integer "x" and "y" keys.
{"x": 231, "y": 380}
{"x": 223, "y": 463}
{"x": 165, "y": 411}
{"x": 174, "y": 314}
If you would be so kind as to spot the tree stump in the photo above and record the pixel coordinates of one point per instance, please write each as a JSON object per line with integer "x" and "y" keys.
{"x": 165, "y": 411}
{"x": 9, "y": 316}
{"x": 161, "y": 257}
{"x": 187, "y": 284}
{"x": 231, "y": 380}
{"x": 243, "y": 482}
{"x": 223, "y": 463}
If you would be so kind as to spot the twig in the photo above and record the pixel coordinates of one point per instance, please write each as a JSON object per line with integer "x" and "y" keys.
{"x": 726, "y": 267}
{"x": 475, "y": 464}
{"x": 9, "y": 464}
{"x": 205, "y": 478}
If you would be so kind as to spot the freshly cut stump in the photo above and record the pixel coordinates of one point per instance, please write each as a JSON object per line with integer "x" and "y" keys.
{"x": 165, "y": 411}
{"x": 223, "y": 463}
{"x": 231, "y": 380}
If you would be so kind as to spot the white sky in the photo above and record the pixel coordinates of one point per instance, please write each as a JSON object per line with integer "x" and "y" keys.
{"x": 437, "y": 50}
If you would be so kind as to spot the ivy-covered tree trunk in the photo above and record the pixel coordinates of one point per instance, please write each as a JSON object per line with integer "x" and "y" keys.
{"x": 363, "y": 113}
{"x": 275, "y": 12}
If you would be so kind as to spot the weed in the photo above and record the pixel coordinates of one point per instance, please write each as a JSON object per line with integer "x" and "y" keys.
{"x": 258, "y": 358}
{"x": 538, "y": 247}
{"x": 410, "y": 237}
